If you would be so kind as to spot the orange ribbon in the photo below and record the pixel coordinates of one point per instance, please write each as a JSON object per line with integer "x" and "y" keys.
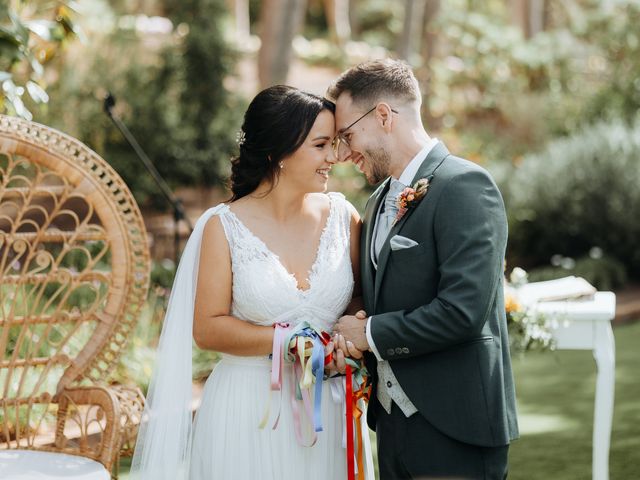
{"x": 354, "y": 414}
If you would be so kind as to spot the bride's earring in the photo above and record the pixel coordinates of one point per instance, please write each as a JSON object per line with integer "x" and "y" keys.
{"x": 281, "y": 164}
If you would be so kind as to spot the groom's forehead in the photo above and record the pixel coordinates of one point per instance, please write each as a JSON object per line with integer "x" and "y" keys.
{"x": 345, "y": 110}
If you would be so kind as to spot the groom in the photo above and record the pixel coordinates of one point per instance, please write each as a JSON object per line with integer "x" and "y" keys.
{"x": 443, "y": 402}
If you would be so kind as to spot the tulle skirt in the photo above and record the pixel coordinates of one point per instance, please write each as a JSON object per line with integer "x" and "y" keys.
{"x": 227, "y": 440}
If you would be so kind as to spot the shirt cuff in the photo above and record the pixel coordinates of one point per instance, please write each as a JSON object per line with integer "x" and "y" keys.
{"x": 370, "y": 340}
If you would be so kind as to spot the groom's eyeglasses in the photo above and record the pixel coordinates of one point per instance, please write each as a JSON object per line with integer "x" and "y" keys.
{"x": 340, "y": 142}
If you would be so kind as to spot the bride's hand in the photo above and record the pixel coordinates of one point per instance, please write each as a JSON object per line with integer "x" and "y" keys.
{"x": 337, "y": 364}
{"x": 347, "y": 348}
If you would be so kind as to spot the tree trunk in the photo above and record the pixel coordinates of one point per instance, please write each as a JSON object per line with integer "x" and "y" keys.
{"x": 279, "y": 22}
{"x": 537, "y": 9}
{"x": 354, "y": 19}
{"x": 529, "y": 15}
{"x": 414, "y": 20}
{"x": 428, "y": 49}
{"x": 337, "y": 13}
{"x": 241, "y": 15}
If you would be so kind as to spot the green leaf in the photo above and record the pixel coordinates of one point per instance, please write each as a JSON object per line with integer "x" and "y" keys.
{"x": 9, "y": 36}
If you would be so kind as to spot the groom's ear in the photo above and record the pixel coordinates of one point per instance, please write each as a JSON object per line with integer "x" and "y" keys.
{"x": 384, "y": 115}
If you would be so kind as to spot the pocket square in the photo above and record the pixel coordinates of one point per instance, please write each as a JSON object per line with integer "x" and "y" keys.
{"x": 398, "y": 242}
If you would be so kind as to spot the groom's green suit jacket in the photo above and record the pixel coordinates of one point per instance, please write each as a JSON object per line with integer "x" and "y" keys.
{"x": 437, "y": 308}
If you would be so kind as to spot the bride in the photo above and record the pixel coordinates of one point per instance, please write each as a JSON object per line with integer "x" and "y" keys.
{"x": 281, "y": 251}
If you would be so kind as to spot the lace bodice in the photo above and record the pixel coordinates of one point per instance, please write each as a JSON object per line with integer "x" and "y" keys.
{"x": 264, "y": 292}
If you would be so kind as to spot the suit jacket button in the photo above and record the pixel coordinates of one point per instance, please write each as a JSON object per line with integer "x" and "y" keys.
{"x": 398, "y": 350}
{"x": 390, "y": 352}
{"x": 389, "y": 384}
{"x": 405, "y": 350}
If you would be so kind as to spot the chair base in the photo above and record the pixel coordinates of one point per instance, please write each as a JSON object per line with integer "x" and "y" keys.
{"x": 35, "y": 465}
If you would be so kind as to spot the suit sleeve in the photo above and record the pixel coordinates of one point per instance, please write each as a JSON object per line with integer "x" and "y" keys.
{"x": 470, "y": 237}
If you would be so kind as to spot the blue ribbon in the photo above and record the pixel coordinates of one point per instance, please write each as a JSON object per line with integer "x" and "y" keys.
{"x": 317, "y": 367}
{"x": 303, "y": 329}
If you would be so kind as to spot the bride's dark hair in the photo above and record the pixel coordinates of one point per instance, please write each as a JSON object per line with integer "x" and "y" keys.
{"x": 275, "y": 125}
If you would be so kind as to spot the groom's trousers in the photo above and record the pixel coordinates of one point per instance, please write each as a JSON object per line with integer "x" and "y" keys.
{"x": 411, "y": 448}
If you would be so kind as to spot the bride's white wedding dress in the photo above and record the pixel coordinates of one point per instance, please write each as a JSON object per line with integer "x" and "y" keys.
{"x": 227, "y": 441}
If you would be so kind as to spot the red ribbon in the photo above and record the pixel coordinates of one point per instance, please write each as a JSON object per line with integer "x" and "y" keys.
{"x": 349, "y": 394}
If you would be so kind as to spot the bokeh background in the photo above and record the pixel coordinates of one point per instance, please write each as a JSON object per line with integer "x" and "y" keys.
{"x": 543, "y": 93}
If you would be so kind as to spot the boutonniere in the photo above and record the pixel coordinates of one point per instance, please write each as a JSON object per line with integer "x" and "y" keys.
{"x": 410, "y": 197}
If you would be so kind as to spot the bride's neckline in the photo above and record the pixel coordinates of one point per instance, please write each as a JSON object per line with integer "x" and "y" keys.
{"x": 312, "y": 270}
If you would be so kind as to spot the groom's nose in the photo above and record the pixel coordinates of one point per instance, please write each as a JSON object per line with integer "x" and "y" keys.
{"x": 344, "y": 153}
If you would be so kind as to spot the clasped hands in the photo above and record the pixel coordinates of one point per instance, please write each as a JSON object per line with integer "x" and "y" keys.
{"x": 349, "y": 340}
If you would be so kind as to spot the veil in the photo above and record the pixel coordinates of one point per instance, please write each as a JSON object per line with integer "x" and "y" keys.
{"x": 163, "y": 446}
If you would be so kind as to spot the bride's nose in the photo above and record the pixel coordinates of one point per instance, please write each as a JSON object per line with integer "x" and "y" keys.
{"x": 331, "y": 157}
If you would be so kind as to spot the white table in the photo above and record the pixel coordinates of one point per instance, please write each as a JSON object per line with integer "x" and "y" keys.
{"x": 586, "y": 325}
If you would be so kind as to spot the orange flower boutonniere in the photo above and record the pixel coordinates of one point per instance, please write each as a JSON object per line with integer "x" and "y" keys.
{"x": 410, "y": 197}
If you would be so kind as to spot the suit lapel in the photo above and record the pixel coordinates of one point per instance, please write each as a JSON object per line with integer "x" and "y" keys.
{"x": 433, "y": 160}
{"x": 368, "y": 270}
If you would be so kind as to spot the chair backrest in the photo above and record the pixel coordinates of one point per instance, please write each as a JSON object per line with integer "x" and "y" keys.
{"x": 74, "y": 272}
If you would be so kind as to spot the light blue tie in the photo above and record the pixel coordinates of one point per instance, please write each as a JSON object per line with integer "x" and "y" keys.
{"x": 388, "y": 216}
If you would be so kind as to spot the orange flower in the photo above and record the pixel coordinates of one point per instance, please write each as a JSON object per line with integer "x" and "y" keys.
{"x": 511, "y": 304}
{"x": 410, "y": 197}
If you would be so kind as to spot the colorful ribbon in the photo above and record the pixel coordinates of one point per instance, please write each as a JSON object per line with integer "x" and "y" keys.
{"x": 302, "y": 347}
{"x": 355, "y": 375}
{"x": 349, "y": 386}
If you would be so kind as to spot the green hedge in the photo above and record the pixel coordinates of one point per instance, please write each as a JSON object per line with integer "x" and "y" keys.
{"x": 604, "y": 273}
{"x": 171, "y": 94}
{"x": 580, "y": 192}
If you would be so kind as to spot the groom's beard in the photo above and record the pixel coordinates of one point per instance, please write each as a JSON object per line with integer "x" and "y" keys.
{"x": 379, "y": 161}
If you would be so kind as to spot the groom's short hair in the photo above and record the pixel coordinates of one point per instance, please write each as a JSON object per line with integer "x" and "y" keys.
{"x": 371, "y": 82}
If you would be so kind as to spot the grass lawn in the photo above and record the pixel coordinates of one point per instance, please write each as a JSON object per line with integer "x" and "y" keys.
{"x": 555, "y": 403}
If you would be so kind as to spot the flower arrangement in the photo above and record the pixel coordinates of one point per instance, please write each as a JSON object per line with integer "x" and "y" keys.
{"x": 410, "y": 197}
{"x": 528, "y": 329}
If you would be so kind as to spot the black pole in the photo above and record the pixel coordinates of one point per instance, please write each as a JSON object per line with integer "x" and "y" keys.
{"x": 176, "y": 203}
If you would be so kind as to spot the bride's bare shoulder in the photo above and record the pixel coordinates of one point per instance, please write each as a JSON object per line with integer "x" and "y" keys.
{"x": 213, "y": 233}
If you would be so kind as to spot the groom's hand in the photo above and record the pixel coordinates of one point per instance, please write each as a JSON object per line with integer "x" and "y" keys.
{"x": 353, "y": 330}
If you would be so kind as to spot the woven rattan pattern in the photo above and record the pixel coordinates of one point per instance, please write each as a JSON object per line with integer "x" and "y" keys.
{"x": 74, "y": 274}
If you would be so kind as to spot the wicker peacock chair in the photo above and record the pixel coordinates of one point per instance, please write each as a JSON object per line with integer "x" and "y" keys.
{"x": 74, "y": 274}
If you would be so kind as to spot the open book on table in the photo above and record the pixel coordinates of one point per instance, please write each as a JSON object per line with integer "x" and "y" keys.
{"x": 567, "y": 288}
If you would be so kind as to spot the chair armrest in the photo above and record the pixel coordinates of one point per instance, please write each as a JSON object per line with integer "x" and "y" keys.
{"x": 88, "y": 423}
{"x": 131, "y": 409}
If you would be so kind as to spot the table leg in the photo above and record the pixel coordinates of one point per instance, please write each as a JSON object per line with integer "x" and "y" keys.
{"x": 604, "y": 354}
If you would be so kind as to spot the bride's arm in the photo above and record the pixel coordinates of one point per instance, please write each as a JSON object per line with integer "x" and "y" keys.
{"x": 356, "y": 303}
{"x": 213, "y": 326}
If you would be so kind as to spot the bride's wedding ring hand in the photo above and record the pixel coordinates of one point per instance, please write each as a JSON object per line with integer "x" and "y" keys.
{"x": 347, "y": 347}
{"x": 337, "y": 363}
